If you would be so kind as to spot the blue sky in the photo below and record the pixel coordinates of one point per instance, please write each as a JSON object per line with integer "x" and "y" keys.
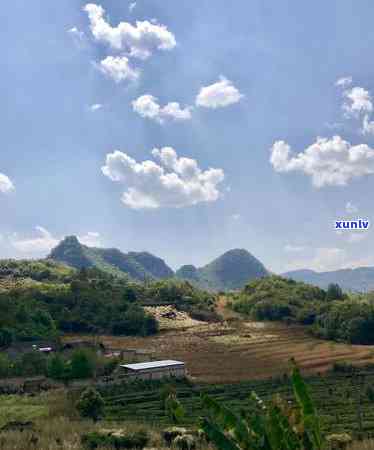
{"x": 244, "y": 78}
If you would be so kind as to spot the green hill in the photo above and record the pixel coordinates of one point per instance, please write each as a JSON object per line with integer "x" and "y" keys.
{"x": 230, "y": 271}
{"x": 137, "y": 266}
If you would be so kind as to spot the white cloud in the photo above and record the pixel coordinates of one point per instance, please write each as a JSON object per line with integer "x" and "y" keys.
{"x": 218, "y": 95}
{"x": 148, "y": 106}
{"x": 236, "y": 217}
{"x": 357, "y": 100}
{"x": 91, "y": 239}
{"x": 175, "y": 182}
{"x": 344, "y": 82}
{"x": 96, "y": 107}
{"x": 132, "y": 6}
{"x": 139, "y": 41}
{"x": 43, "y": 242}
{"x": 351, "y": 208}
{"x": 367, "y": 125}
{"x": 294, "y": 248}
{"x": 332, "y": 162}
{"x": 119, "y": 69}
{"x": 6, "y": 184}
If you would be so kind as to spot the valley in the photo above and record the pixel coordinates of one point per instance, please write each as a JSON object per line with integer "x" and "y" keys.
{"x": 240, "y": 350}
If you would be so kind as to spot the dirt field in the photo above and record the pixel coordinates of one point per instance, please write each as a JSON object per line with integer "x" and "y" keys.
{"x": 238, "y": 350}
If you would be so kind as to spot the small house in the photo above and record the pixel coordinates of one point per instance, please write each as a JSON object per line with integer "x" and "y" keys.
{"x": 154, "y": 370}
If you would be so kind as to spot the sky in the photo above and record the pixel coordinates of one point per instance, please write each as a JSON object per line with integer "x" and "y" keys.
{"x": 189, "y": 128}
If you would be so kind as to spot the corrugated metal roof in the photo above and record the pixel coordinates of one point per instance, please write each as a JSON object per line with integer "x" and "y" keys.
{"x": 152, "y": 364}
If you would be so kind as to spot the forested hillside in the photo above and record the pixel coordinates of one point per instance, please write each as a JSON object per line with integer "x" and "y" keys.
{"x": 41, "y": 299}
{"x": 331, "y": 313}
{"x": 137, "y": 266}
{"x": 230, "y": 271}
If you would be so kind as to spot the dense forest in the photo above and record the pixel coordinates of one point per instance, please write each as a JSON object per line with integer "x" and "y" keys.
{"x": 331, "y": 313}
{"x": 41, "y": 299}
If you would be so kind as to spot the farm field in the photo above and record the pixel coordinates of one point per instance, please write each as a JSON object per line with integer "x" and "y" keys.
{"x": 336, "y": 396}
{"x": 237, "y": 350}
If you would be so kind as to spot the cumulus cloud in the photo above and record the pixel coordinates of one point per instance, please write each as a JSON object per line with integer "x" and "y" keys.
{"x": 329, "y": 162}
{"x": 357, "y": 100}
{"x": 91, "y": 239}
{"x": 148, "y": 106}
{"x": 42, "y": 242}
{"x": 344, "y": 82}
{"x": 218, "y": 95}
{"x": 174, "y": 182}
{"x": 118, "y": 68}
{"x": 139, "y": 40}
{"x": 6, "y": 184}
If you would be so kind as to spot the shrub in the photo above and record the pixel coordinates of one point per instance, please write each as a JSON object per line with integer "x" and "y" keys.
{"x": 91, "y": 404}
{"x": 56, "y": 367}
{"x": 6, "y": 337}
{"x": 5, "y": 365}
{"x": 82, "y": 364}
{"x": 116, "y": 439}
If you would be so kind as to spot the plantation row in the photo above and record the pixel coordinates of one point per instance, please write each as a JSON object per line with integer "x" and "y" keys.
{"x": 345, "y": 400}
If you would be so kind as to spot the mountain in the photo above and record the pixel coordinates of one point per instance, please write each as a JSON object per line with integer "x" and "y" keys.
{"x": 232, "y": 270}
{"x": 360, "y": 279}
{"x": 138, "y": 266}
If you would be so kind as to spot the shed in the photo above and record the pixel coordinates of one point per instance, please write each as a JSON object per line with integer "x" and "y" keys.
{"x": 155, "y": 370}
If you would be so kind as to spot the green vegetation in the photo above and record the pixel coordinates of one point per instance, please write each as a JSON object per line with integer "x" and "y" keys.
{"x": 85, "y": 301}
{"x": 91, "y": 404}
{"x": 341, "y": 398}
{"x": 104, "y": 439}
{"x": 272, "y": 426}
{"x": 136, "y": 266}
{"x": 333, "y": 314}
{"x": 230, "y": 271}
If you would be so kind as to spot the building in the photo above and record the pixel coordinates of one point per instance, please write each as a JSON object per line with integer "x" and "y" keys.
{"x": 154, "y": 370}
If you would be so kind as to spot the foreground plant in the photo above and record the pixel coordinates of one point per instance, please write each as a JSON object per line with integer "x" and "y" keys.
{"x": 276, "y": 426}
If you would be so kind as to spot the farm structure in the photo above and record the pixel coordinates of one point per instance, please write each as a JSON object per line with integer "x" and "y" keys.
{"x": 154, "y": 370}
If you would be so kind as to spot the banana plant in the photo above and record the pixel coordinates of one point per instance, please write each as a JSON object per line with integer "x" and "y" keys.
{"x": 274, "y": 426}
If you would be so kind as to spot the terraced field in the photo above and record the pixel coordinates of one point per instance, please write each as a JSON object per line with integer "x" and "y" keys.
{"x": 337, "y": 397}
{"x": 237, "y": 350}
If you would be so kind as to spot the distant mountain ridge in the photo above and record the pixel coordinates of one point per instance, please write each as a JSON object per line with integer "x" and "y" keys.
{"x": 232, "y": 270}
{"x": 138, "y": 266}
{"x": 360, "y": 279}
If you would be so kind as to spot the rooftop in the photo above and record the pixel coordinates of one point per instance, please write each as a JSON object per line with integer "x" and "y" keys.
{"x": 152, "y": 364}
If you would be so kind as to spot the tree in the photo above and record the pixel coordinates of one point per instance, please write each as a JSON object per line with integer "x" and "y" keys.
{"x": 5, "y": 365}
{"x": 91, "y": 404}
{"x": 56, "y": 367}
{"x": 6, "y": 337}
{"x": 82, "y": 364}
{"x": 334, "y": 292}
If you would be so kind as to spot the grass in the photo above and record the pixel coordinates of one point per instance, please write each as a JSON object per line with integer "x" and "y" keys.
{"x": 22, "y": 408}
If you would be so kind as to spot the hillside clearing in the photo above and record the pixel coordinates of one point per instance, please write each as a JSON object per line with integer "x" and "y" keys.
{"x": 234, "y": 351}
